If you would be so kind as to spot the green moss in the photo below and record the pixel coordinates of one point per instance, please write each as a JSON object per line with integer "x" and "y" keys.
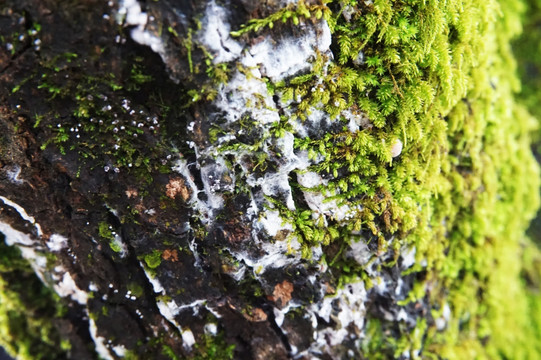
{"x": 439, "y": 76}
{"x": 214, "y": 347}
{"x": 154, "y": 259}
{"x": 92, "y": 114}
{"x": 27, "y": 311}
{"x": 167, "y": 351}
{"x": 136, "y": 289}
{"x": 104, "y": 230}
{"x": 115, "y": 246}
{"x": 293, "y": 12}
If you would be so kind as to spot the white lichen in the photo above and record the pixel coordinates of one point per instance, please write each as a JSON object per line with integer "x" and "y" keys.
{"x": 99, "y": 342}
{"x": 23, "y": 214}
{"x": 66, "y": 286}
{"x": 131, "y": 14}
{"x": 57, "y": 242}
{"x": 216, "y": 34}
{"x": 345, "y": 310}
{"x": 156, "y": 285}
{"x": 13, "y": 174}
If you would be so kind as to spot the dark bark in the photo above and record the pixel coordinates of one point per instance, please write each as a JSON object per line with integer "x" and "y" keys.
{"x": 76, "y": 52}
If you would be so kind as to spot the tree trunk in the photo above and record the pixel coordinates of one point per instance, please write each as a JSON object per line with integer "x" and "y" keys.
{"x": 264, "y": 180}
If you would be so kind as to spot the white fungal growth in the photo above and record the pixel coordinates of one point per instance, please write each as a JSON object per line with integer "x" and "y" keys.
{"x": 356, "y": 120}
{"x": 31, "y": 250}
{"x": 15, "y": 237}
{"x": 408, "y": 257}
{"x": 13, "y": 175}
{"x": 27, "y": 245}
{"x": 170, "y": 310}
{"x": 359, "y": 251}
{"x": 67, "y": 287}
{"x": 23, "y": 214}
{"x": 156, "y": 285}
{"x": 211, "y": 329}
{"x": 319, "y": 203}
{"x": 273, "y": 223}
{"x": 216, "y": 34}
{"x": 100, "y": 342}
{"x": 212, "y": 178}
{"x": 119, "y": 243}
{"x": 57, "y": 242}
{"x": 188, "y": 338}
{"x": 240, "y": 91}
{"x": 119, "y": 350}
{"x": 346, "y": 309}
{"x": 290, "y": 55}
{"x": 275, "y": 59}
{"x": 131, "y": 11}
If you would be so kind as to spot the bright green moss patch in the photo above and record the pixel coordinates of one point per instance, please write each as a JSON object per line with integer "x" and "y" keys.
{"x": 466, "y": 184}
{"x": 154, "y": 259}
{"x": 527, "y": 49}
{"x": 440, "y": 77}
{"x": 27, "y": 310}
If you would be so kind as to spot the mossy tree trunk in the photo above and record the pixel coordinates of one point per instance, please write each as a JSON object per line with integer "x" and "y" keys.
{"x": 268, "y": 180}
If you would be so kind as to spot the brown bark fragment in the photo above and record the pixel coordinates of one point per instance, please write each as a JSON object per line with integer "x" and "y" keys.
{"x": 175, "y": 187}
{"x": 255, "y": 315}
{"x": 171, "y": 255}
{"x": 282, "y": 293}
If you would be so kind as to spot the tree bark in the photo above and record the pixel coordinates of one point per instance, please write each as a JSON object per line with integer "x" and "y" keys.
{"x": 263, "y": 180}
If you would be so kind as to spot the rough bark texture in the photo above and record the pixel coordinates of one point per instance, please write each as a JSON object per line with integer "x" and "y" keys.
{"x": 265, "y": 180}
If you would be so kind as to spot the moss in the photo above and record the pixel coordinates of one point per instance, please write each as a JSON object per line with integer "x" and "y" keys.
{"x": 154, "y": 259}
{"x": 90, "y": 114}
{"x": 136, "y": 289}
{"x": 27, "y": 310}
{"x": 293, "y": 13}
{"x": 214, "y": 347}
{"x": 439, "y": 76}
{"x": 167, "y": 351}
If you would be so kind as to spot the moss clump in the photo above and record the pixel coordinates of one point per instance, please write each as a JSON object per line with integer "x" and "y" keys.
{"x": 528, "y": 53}
{"x": 214, "y": 347}
{"x": 27, "y": 310}
{"x": 293, "y": 13}
{"x": 154, "y": 259}
{"x": 439, "y": 76}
